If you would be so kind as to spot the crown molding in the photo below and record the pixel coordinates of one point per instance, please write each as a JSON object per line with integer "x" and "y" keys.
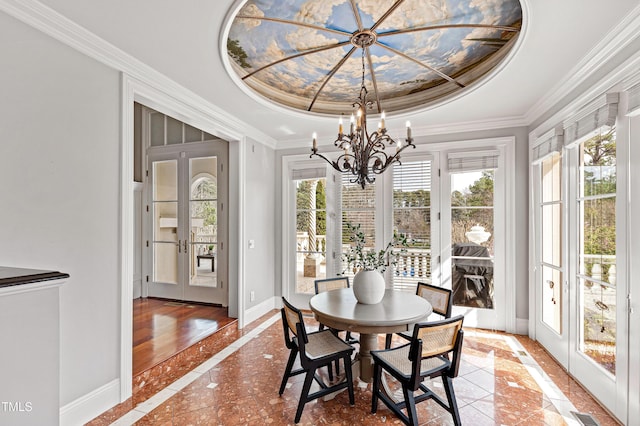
{"x": 59, "y": 27}
{"x": 424, "y": 131}
{"x": 617, "y": 39}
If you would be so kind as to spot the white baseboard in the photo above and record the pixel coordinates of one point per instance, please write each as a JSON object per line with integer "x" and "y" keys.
{"x": 522, "y": 326}
{"x": 91, "y": 405}
{"x": 260, "y": 309}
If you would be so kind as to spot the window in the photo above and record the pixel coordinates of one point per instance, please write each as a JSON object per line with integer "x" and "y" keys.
{"x": 412, "y": 217}
{"x": 551, "y": 240}
{"x": 597, "y": 247}
{"x": 311, "y": 231}
{"x": 358, "y": 208}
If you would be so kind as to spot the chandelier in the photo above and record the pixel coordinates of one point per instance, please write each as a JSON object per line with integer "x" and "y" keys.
{"x": 364, "y": 154}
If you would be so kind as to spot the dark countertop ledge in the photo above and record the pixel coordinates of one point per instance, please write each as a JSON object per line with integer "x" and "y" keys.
{"x": 19, "y": 276}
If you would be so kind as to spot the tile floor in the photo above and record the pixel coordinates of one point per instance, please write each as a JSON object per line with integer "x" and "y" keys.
{"x": 504, "y": 380}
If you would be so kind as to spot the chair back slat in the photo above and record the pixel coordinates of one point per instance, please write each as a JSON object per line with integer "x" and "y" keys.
{"x": 438, "y": 297}
{"x": 438, "y": 338}
{"x": 293, "y": 317}
{"x": 331, "y": 284}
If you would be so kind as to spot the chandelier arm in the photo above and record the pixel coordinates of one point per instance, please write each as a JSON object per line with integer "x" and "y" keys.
{"x": 334, "y": 163}
{"x": 440, "y": 73}
{"x": 297, "y": 55}
{"x": 331, "y": 74}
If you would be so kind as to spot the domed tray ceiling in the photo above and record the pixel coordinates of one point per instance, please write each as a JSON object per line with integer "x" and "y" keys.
{"x": 307, "y": 54}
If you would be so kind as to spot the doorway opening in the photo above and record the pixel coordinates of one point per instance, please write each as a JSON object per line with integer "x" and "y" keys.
{"x": 181, "y": 294}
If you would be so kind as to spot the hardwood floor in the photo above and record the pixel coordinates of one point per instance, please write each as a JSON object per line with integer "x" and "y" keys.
{"x": 163, "y": 328}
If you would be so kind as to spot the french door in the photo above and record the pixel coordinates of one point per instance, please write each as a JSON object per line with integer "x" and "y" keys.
{"x": 474, "y": 226}
{"x": 187, "y": 222}
{"x": 580, "y": 304}
{"x": 435, "y": 214}
{"x": 552, "y": 295}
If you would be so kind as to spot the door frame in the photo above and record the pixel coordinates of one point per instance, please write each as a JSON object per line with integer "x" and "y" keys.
{"x": 211, "y": 121}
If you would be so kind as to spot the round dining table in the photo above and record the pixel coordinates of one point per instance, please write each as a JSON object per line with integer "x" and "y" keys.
{"x": 397, "y": 311}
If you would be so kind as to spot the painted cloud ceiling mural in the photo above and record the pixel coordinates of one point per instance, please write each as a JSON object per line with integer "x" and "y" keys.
{"x": 309, "y": 54}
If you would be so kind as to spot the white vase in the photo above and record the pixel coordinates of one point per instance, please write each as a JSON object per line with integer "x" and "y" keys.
{"x": 368, "y": 287}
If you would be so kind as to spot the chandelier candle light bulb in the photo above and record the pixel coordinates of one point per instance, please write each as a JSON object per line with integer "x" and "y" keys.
{"x": 315, "y": 141}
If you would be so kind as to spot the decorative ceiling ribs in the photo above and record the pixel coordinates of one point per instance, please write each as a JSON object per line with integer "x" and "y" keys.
{"x": 495, "y": 38}
{"x": 296, "y": 23}
{"x": 422, "y": 64}
{"x": 445, "y": 27}
{"x": 373, "y": 80}
{"x": 331, "y": 74}
{"x": 297, "y": 55}
{"x": 386, "y": 14}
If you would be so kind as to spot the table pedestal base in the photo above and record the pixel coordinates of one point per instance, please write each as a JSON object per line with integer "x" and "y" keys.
{"x": 368, "y": 342}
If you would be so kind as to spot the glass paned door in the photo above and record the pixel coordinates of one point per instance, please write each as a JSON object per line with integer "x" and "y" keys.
{"x": 598, "y": 333}
{"x": 552, "y": 304}
{"x": 472, "y": 239}
{"x": 358, "y": 207}
{"x": 164, "y": 203}
{"x": 311, "y": 233}
{"x": 597, "y": 250}
{"x": 412, "y": 210}
{"x": 189, "y": 223}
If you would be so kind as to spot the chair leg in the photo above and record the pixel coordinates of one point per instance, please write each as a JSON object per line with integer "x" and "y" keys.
{"x": 287, "y": 371}
{"x": 305, "y": 393}
{"x": 330, "y": 370}
{"x": 377, "y": 376}
{"x": 451, "y": 398}
{"x": 387, "y": 341}
{"x": 348, "y": 371}
{"x": 410, "y": 405}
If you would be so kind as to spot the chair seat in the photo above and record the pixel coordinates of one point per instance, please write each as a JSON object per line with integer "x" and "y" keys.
{"x": 398, "y": 360}
{"x": 324, "y": 343}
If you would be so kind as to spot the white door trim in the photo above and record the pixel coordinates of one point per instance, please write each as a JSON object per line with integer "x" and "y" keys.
{"x": 134, "y": 90}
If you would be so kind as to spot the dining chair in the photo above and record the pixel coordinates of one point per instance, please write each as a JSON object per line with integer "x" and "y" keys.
{"x": 434, "y": 351}
{"x": 440, "y": 299}
{"x": 328, "y": 284}
{"x": 316, "y": 350}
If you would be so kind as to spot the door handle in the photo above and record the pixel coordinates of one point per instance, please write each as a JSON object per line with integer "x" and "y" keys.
{"x": 185, "y": 246}
{"x": 179, "y": 246}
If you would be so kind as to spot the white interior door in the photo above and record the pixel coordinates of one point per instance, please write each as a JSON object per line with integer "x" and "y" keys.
{"x": 188, "y": 223}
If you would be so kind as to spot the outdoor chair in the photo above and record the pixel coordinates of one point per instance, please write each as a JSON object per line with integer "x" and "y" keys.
{"x": 426, "y": 356}
{"x": 440, "y": 300}
{"x": 316, "y": 350}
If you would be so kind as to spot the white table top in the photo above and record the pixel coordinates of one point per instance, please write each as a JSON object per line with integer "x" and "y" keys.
{"x": 397, "y": 312}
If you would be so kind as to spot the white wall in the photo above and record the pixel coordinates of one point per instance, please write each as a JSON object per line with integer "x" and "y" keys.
{"x": 259, "y": 262}
{"x": 59, "y": 160}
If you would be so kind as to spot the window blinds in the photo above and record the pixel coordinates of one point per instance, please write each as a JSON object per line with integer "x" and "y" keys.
{"x": 311, "y": 173}
{"x": 550, "y": 142}
{"x": 472, "y": 161}
{"x": 593, "y": 118}
{"x": 412, "y": 176}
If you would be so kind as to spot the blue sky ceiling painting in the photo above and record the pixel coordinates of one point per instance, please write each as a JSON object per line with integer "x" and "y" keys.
{"x": 307, "y": 55}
